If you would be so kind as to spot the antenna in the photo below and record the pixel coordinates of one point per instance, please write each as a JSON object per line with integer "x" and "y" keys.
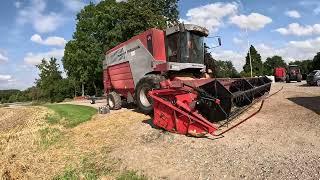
{"x": 249, "y": 52}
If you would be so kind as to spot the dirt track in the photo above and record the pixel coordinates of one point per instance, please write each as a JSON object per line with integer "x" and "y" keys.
{"x": 281, "y": 142}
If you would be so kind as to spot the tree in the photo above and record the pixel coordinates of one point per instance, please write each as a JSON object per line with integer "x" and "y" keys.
{"x": 257, "y": 65}
{"x": 51, "y": 84}
{"x": 316, "y": 62}
{"x": 6, "y": 94}
{"x": 209, "y": 61}
{"x": 101, "y": 27}
{"x": 32, "y": 93}
{"x": 271, "y": 63}
{"x": 226, "y": 69}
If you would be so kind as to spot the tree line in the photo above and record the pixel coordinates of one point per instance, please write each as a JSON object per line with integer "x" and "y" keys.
{"x": 99, "y": 28}
{"x": 102, "y": 26}
{"x": 260, "y": 68}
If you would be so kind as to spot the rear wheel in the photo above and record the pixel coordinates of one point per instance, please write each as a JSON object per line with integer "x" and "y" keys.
{"x": 287, "y": 79}
{"x": 114, "y": 101}
{"x": 299, "y": 78}
{"x": 147, "y": 83}
{"x": 318, "y": 83}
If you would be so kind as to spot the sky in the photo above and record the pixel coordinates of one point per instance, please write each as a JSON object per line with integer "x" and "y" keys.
{"x": 31, "y": 30}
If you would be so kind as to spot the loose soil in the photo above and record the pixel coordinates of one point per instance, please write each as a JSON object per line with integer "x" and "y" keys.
{"x": 281, "y": 142}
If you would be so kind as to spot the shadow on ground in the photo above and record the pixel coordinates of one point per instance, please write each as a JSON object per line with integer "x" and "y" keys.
{"x": 150, "y": 123}
{"x": 312, "y": 103}
{"x": 304, "y": 85}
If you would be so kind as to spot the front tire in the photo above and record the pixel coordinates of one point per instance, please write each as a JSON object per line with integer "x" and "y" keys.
{"x": 114, "y": 100}
{"x": 287, "y": 79}
{"x": 318, "y": 83}
{"x": 147, "y": 83}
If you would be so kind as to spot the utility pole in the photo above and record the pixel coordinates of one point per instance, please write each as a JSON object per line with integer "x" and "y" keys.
{"x": 249, "y": 52}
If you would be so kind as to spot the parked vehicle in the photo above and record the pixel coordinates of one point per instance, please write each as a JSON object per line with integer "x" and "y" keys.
{"x": 314, "y": 78}
{"x": 293, "y": 74}
{"x": 280, "y": 74}
{"x": 164, "y": 72}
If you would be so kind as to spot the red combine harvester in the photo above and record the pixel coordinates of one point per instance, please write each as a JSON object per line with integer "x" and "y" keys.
{"x": 280, "y": 74}
{"x": 163, "y": 72}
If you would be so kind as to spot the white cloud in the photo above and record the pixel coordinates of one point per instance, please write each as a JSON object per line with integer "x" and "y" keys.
{"x": 3, "y": 58}
{"x": 73, "y": 5}
{"x": 291, "y": 51}
{"x": 309, "y": 46}
{"x": 237, "y": 40}
{"x": 17, "y": 4}
{"x": 121, "y": 1}
{"x": 293, "y": 14}
{"x": 5, "y": 77}
{"x": 237, "y": 58}
{"x": 254, "y": 21}
{"x": 299, "y": 30}
{"x": 34, "y": 59}
{"x": 317, "y": 10}
{"x": 50, "y": 41}
{"x": 35, "y": 15}
{"x": 211, "y": 16}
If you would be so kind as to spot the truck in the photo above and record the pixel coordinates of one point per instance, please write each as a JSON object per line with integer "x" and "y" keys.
{"x": 293, "y": 74}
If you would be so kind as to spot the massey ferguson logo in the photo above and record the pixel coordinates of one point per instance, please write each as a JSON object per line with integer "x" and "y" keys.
{"x": 121, "y": 54}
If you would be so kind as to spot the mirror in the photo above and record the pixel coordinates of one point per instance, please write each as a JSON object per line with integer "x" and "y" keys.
{"x": 217, "y": 41}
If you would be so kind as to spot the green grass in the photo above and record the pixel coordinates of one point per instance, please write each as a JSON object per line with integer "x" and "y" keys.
{"x": 53, "y": 118}
{"x": 130, "y": 175}
{"x": 74, "y": 174}
{"x": 70, "y": 115}
{"x": 88, "y": 169}
{"x": 49, "y": 136}
{"x": 94, "y": 166}
{"x": 68, "y": 174}
{"x": 92, "y": 173}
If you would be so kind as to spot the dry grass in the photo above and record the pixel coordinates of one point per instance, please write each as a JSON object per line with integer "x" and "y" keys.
{"x": 281, "y": 142}
{"x": 31, "y": 148}
{"x": 19, "y": 139}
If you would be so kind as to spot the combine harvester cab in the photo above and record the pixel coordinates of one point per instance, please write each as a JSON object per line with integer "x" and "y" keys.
{"x": 199, "y": 107}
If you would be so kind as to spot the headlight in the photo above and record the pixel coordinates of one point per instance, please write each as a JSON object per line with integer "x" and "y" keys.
{"x": 174, "y": 67}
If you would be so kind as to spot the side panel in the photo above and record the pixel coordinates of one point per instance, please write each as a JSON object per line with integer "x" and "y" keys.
{"x": 156, "y": 45}
{"x": 106, "y": 81}
{"x": 120, "y": 78}
{"x": 135, "y": 54}
{"x": 128, "y": 62}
